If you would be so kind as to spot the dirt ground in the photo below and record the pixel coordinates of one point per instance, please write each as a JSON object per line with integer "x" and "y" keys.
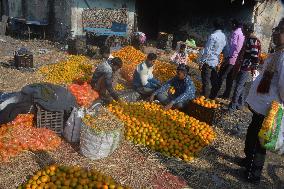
{"x": 133, "y": 165}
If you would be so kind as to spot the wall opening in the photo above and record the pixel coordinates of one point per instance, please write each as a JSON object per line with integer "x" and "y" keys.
{"x": 182, "y": 15}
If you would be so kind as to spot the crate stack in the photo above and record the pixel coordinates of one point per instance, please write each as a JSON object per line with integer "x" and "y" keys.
{"x": 165, "y": 41}
{"x": 23, "y": 58}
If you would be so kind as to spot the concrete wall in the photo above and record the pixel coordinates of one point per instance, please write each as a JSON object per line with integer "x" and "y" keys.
{"x": 79, "y": 5}
{"x": 37, "y": 10}
{"x": 15, "y": 8}
{"x": 61, "y": 19}
{"x": 266, "y": 16}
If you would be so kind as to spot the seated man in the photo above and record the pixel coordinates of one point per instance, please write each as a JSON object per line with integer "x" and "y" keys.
{"x": 184, "y": 90}
{"x": 102, "y": 79}
{"x": 143, "y": 79}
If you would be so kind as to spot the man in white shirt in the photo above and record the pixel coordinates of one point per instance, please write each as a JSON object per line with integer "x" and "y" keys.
{"x": 143, "y": 79}
{"x": 210, "y": 57}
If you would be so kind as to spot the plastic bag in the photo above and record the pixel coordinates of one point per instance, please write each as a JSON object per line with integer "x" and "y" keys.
{"x": 84, "y": 94}
{"x": 96, "y": 144}
{"x": 271, "y": 128}
{"x": 280, "y": 141}
{"x": 9, "y": 98}
{"x": 73, "y": 126}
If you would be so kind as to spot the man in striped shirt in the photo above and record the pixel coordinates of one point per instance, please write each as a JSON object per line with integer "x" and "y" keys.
{"x": 248, "y": 66}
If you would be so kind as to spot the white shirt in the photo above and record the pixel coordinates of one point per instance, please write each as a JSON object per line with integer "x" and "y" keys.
{"x": 261, "y": 103}
{"x": 213, "y": 48}
{"x": 145, "y": 73}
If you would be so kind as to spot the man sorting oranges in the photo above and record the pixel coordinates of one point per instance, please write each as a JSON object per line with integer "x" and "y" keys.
{"x": 184, "y": 90}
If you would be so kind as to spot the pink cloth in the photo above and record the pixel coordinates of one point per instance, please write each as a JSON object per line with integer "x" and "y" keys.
{"x": 179, "y": 58}
{"x": 235, "y": 45}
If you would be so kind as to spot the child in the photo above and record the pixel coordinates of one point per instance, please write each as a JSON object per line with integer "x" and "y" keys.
{"x": 180, "y": 57}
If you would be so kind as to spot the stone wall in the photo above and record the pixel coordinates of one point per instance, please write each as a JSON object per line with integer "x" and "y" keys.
{"x": 266, "y": 15}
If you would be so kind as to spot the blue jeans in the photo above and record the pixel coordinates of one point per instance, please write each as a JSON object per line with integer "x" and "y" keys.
{"x": 238, "y": 100}
{"x": 148, "y": 89}
{"x": 153, "y": 84}
{"x": 165, "y": 99}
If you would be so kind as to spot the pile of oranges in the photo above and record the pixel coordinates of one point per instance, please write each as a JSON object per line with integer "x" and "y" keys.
{"x": 171, "y": 132}
{"x": 65, "y": 177}
{"x": 164, "y": 71}
{"x": 119, "y": 87}
{"x": 207, "y": 103}
{"x": 65, "y": 72}
{"x": 192, "y": 57}
{"x": 132, "y": 57}
{"x": 20, "y": 135}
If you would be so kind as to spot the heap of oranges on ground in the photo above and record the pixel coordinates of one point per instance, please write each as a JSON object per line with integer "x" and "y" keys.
{"x": 132, "y": 57}
{"x": 65, "y": 72}
{"x": 171, "y": 132}
{"x": 65, "y": 177}
{"x": 207, "y": 103}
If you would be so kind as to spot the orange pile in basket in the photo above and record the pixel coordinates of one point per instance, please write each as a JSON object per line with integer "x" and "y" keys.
{"x": 20, "y": 135}
{"x": 84, "y": 94}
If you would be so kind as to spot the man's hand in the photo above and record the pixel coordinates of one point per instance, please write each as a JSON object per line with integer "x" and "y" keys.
{"x": 169, "y": 106}
{"x": 152, "y": 97}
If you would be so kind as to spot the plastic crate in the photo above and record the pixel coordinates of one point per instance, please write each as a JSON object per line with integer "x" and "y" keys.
{"x": 203, "y": 114}
{"x": 24, "y": 61}
{"x": 51, "y": 120}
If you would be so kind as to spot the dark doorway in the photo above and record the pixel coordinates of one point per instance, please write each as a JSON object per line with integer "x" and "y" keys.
{"x": 154, "y": 16}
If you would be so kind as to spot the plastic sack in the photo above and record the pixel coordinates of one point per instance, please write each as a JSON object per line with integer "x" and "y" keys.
{"x": 271, "y": 128}
{"x": 84, "y": 94}
{"x": 96, "y": 144}
{"x": 280, "y": 141}
{"x": 73, "y": 126}
{"x": 9, "y": 98}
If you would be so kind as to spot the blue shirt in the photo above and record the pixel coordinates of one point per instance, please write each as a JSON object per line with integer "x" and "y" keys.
{"x": 213, "y": 48}
{"x": 184, "y": 89}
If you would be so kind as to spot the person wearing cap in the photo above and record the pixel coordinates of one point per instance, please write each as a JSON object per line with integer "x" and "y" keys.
{"x": 184, "y": 90}
{"x": 247, "y": 66}
{"x": 234, "y": 47}
{"x": 143, "y": 79}
{"x": 103, "y": 76}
